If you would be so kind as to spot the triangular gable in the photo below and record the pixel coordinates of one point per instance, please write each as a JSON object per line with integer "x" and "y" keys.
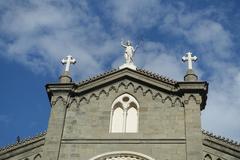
{"x": 141, "y": 76}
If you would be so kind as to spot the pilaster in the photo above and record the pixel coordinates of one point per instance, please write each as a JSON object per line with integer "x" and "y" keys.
{"x": 59, "y": 95}
{"x": 194, "y": 100}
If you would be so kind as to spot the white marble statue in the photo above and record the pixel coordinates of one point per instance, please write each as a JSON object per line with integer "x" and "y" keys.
{"x": 129, "y": 51}
{"x": 190, "y": 59}
{"x": 69, "y": 60}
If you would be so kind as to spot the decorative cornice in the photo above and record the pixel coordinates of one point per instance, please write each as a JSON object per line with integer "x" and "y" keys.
{"x": 56, "y": 99}
{"x": 140, "y": 71}
{"x": 220, "y": 139}
{"x": 98, "y": 76}
{"x": 172, "y": 87}
{"x": 126, "y": 85}
{"x": 156, "y": 76}
{"x": 192, "y": 97}
{"x": 25, "y": 141}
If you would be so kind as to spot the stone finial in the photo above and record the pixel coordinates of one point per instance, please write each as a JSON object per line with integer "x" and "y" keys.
{"x": 69, "y": 60}
{"x": 190, "y": 59}
{"x": 190, "y": 75}
{"x": 128, "y": 55}
{"x": 65, "y": 77}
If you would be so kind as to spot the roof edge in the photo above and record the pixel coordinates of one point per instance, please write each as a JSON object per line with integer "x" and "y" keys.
{"x": 23, "y": 142}
{"x": 138, "y": 70}
{"x": 221, "y": 140}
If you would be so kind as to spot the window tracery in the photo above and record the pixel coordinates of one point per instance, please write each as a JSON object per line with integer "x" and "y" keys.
{"x": 124, "y": 114}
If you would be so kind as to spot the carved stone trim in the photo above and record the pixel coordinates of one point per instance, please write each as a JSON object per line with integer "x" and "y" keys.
{"x": 54, "y": 100}
{"x": 122, "y": 155}
{"x": 37, "y": 156}
{"x": 197, "y": 99}
{"x": 74, "y": 100}
{"x": 126, "y": 85}
{"x": 220, "y": 139}
{"x": 207, "y": 157}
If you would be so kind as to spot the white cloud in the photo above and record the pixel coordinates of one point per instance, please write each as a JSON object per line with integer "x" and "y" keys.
{"x": 222, "y": 110}
{"x": 134, "y": 14}
{"x": 52, "y": 29}
{"x": 212, "y": 38}
{"x": 157, "y": 58}
{"x": 221, "y": 113}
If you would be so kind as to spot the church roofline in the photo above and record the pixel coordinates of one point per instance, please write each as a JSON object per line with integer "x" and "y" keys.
{"x": 221, "y": 144}
{"x": 138, "y": 70}
{"x": 221, "y": 138}
{"x": 178, "y": 87}
{"x": 22, "y": 143}
{"x": 152, "y": 79}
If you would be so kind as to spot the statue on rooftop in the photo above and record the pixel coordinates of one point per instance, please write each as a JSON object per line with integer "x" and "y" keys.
{"x": 129, "y": 51}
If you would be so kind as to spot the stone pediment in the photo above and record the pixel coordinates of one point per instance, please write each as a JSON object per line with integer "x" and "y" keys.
{"x": 152, "y": 80}
{"x": 141, "y": 76}
{"x": 139, "y": 79}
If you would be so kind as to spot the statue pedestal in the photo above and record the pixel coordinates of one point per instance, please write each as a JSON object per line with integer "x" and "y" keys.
{"x": 128, "y": 65}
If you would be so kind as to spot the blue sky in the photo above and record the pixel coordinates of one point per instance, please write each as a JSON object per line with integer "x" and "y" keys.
{"x": 35, "y": 35}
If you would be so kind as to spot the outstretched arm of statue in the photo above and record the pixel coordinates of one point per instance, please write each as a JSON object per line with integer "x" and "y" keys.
{"x": 122, "y": 44}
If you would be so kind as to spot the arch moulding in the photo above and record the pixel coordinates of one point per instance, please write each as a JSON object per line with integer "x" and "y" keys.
{"x": 124, "y": 154}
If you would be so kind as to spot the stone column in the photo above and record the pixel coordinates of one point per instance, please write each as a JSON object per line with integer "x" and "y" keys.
{"x": 194, "y": 96}
{"x": 59, "y": 95}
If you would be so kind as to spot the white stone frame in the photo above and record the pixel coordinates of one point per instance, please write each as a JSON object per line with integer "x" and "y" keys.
{"x": 122, "y": 153}
{"x": 125, "y": 106}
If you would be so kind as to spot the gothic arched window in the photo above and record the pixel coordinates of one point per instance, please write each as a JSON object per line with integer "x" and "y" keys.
{"x": 124, "y": 114}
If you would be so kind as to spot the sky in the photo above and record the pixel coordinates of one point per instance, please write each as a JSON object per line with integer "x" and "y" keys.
{"x": 35, "y": 35}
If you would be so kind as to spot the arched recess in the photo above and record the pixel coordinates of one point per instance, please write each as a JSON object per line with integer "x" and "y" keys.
{"x": 122, "y": 155}
{"x": 37, "y": 157}
{"x": 207, "y": 157}
{"x": 124, "y": 114}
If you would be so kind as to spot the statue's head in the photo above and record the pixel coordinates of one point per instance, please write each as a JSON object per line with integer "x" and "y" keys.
{"x": 129, "y": 43}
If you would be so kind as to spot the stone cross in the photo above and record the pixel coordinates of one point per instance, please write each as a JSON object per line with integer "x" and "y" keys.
{"x": 69, "y": 60}
{"x": 190, "y": 59}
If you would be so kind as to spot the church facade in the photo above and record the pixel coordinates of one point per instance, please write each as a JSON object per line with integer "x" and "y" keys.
{"x": 125, "y": 114}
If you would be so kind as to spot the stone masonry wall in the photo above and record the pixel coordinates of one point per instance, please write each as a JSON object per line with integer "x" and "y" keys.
{"x": 161, "y": 124}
